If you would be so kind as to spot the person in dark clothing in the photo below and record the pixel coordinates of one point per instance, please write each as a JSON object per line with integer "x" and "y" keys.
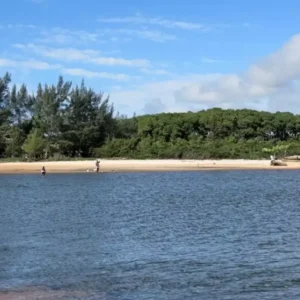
{"x": 43, "y": 171}
{"x": 97, "y": 166}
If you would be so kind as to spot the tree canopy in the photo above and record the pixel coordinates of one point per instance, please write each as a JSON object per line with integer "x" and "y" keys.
{"x": 62, "y": 121}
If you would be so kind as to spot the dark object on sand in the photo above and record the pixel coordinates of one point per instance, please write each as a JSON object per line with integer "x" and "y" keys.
{"x": 43, "y": 171}
{"x": 293, "y": 157}
{"x": 97, "y": 166}
{"x": 278, "y": 163}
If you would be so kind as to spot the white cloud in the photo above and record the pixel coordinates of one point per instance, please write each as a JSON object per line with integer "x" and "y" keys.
{"x": 154, "y": 106}
{"x": 18, "y": 26}
{"x": 40, "y": 65}
{"x": 271, "y": 75}
{"x": 161, "y": 93}
{"x": 272, "y": 83}
{"x": 209, "y": 60}
{"x": 59, "y": 35}
{"x": 152, "y": 35}
{"x": 85, "y": 55}
{"x": 56, "y": 35}
{"x": 154, "y": 71}
{"x": 64, "y": 54}
{"x": 111, "y": 61}
{"x": 91, "y": 74}
{"x": 28, "y": 64}
{"x": 139, "y": 19}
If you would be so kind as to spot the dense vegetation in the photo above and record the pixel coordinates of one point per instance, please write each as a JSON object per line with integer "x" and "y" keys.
{"x": 61, "y": 121}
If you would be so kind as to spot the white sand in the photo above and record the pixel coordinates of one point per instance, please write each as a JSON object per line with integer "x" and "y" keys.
{"x": 139, "y": 165}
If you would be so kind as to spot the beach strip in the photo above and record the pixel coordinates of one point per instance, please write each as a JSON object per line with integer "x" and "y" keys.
{"x": 140, "y": 165}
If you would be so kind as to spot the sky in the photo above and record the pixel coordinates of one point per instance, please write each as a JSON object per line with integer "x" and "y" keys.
{"x": 159, "y": 56}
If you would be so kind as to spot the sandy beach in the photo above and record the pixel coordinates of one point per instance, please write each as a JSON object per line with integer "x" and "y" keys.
{"x": 140, "y": 165}
{"x": 45, "y": 294}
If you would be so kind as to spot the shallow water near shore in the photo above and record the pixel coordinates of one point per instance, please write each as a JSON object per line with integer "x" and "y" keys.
{"x": 161, "y": 235}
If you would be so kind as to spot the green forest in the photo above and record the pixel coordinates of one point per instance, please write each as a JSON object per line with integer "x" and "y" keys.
{"x": 63, "y": 121}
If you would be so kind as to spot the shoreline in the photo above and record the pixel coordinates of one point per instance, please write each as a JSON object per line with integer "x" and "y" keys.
{"x": 108, "y": 166}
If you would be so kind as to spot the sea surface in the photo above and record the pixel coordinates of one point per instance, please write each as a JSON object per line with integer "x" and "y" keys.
{"x": 163, "y": 236}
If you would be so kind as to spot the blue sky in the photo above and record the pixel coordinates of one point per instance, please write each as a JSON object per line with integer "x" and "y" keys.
{"x": 159, "y": 56}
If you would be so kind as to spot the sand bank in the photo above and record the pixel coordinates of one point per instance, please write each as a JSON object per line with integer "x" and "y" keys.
{"x": 140, "y": 165}
{"x": 48, "y": 294}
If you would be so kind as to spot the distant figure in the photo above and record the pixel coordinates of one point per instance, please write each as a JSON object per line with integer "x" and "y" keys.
{"x": 97, "y": 166}
{"x": 43, "y": 171}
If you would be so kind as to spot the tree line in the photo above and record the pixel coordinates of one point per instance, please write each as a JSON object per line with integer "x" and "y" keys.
{"x": 63, "y": 121}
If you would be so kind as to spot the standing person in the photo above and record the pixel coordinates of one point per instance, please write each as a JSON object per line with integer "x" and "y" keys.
{"x": 43, "y": 171}
{"x": 97, "y": 166}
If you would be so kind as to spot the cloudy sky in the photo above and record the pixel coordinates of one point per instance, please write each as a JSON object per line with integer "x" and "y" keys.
{"x": 159, "y": 56}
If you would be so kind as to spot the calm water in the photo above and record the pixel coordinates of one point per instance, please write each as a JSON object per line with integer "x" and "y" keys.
{"x": 186, "y": 235}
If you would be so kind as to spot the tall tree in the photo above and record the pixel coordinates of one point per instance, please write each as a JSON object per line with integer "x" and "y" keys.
{"x": 35, "y": 145}
{"x": 89, "y": 120}
{"x": 20, "y": 104}
{"x": 50, "y": 105}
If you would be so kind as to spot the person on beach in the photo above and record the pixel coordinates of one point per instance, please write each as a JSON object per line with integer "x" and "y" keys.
{"x": 97, "y": 166}
{"x": 43, "y": 171}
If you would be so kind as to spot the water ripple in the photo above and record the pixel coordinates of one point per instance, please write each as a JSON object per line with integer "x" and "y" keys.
{"x": 183, "y": 235}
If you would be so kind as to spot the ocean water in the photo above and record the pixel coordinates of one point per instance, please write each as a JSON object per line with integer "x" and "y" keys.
{"x": 165, "y": 236}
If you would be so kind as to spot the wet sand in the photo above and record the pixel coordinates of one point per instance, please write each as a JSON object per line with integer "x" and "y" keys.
{"x": 140, "y": 165}
{"x": 40, "y": 293}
